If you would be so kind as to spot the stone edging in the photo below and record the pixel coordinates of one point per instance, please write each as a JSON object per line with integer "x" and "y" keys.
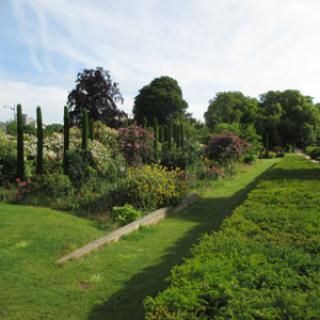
{"x": 116, "y": 235}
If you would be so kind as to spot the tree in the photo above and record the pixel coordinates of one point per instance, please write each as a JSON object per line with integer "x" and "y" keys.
{"x": 20, "y": 144}
{"x": 230, "y": 107}
{"x": 50, "y": 129}
{"x": 39, "y": 166}
{"x": 66, "y": 140}
{"x": 96, "y": 92}
{"x": 161, "y": 99}
{"x": 288, "y": 118}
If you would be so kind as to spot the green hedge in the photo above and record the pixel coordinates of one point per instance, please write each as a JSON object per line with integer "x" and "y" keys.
{"x": 313, "y": 152}
{"x": 263, "y": 264}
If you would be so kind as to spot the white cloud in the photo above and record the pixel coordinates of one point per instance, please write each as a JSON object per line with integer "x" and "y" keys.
{"x": 207, "y": 45}
{"x": 51, "y": 100}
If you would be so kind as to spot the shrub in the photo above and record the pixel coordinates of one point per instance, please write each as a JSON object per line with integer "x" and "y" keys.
{"x": 136, "y": 144}
{"x": 180, "y": 157}
{"x": 98, "y": 162}
{"x": 107, "y": 136}
{"x": 8, "y": 162}
{"x": 226, "y": 148}
{"x": 94, "y": 197}
{"x": 79, "y": 167}
{"x": 313, "y": 152}
{"x": 125, "y": 214}
{"x": 51, "y": 185}
{"x": 205, "y": 170}
{"x": 44, "y": 190}
{"x": 150, "y": 186}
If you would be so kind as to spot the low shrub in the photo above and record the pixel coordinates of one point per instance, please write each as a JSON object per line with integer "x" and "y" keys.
{"x": 94, "y": 197}
{"x": 205, "y": 170}
{"x": 263, "y": 264}
{"x": 125, "y": 214}
{"x": 136, "y": 144}
{"x": 267, "y": 155}
{"x": 313, "y": 152}
{"x": 226, "y": 148}
{"x": 51, "y": 185}
{"x": 180, "y": 157}
{"x": 150, "y": 186}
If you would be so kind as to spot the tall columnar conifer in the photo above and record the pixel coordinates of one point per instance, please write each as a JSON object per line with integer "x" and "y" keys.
{"x": 156, "y": 139}
{"x": 161, "y": 134}
{"x": 91, "y": 129}
{"x": 66, "y": 140}
{"x": 145, "y": 122}
{"x": 39, "y": 166}
{"x": 170, "y": 132}
{"x": 20, "y": 144}
{"x": 85, "y": 130}
{"x": 181, "y": 135}
{"x": 178, "y": 135}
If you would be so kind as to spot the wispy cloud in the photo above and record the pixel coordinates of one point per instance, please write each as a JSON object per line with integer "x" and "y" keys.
{"x": 207, "y": 45}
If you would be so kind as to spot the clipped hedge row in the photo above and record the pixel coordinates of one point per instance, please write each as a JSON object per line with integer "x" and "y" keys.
{"x": 313, "y": 152}
{"x": 263, "y": 264}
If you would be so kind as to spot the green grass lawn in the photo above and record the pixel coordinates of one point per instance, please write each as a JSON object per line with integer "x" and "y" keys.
{"x": 110, "y": 283}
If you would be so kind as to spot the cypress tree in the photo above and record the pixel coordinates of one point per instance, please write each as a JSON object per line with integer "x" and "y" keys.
{"x": 39, "y": 166}
{"x": 66, "y": 140}
{"x": 176, "y": 133}
{"x": 91, "y": 129}
{"x": 170, "y": 131}
{"x": 181, "y": 135}
{"x": 178, "y": 141}
{"x": 20, "y": 144}
{"x": 85, "y": 129}
{"x": 160, "y": 134}
{"x": 156, "y": 138}
{"x": 145, "y": 122}
{"x": 165, "y": 134}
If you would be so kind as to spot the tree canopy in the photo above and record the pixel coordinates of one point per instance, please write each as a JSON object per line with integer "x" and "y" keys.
{"x": 288, "y": 118}
{"x": 230, "y": 107}
{"x": 161, "y": 99}
{"x": 96, "y": 92}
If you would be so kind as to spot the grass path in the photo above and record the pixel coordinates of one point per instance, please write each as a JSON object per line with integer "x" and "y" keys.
{"x": 110, "y": 283}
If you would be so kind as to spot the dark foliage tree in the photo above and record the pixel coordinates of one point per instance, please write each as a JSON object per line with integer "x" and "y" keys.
{"x": 230, "y": 107}
{"x": 66, "y": 140}
{"x": 161, "y": 99}
{"x": 96, "y": 92}
{"x": 39, "y": 166}
{"x": 20, "y": 144}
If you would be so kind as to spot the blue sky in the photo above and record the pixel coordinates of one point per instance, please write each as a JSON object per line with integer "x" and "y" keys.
{"x": 207, "y": 45}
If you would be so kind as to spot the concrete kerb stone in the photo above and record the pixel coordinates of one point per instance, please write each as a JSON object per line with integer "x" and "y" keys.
{"x": 149, "y": 219}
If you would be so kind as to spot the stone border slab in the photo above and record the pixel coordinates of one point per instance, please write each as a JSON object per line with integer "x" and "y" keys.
{"x": 149, "y": 219}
